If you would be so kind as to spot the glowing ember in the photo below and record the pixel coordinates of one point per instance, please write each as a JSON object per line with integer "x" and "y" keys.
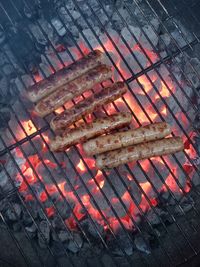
{"x": 29, "y": 127}
{"x": 97, "y": 182}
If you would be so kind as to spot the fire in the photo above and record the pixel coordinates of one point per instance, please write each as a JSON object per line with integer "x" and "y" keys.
{"x": 164, "y": 90}
{"x": 98, "y": 181}
{"x": 29, "y": 127}
{"x": 81, "y": 166}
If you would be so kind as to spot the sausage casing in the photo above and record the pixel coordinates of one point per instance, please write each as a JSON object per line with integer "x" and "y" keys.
{"x": 65, "y": 75}
{"x": 87, "y": 131}
{"x": 88, "y": 105}
{"x": 156, "y": 148}
{"x": 73, "y": 89}
{"x": 146, "y": 133}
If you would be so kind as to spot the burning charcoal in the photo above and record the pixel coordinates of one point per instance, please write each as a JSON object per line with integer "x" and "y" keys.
{"x": 15, "y": 214}
{"x": 75, "y": 247}
{"x": 43, "y": 239}
{"x": 142, "y": 244}
{"x": 31, "y": 229}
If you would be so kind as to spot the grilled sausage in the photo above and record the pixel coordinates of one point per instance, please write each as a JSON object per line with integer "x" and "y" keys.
{"x": 88, "y": 105}
{"x": 141, "y": 151}
{"x": 87, "y": 131}
{"x": 122, "y": 139}
{"x": 65, "y": 75}
{"x": 73, "y": 89}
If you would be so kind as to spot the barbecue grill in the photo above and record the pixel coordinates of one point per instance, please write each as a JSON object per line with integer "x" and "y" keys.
{"x": 57, "y": 209}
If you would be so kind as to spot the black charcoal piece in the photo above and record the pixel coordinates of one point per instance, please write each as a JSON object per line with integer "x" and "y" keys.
{"x": 142, "y": 244}
{"x": 63, "y": 208}
{"x": 63, "y": 235}
{"x": 44, "y": 234}
{"x": 75, "y": 244}
{"x": 32, "y": 230}
{"x": 14, "y": 213}
{"x": 88, "y": 226}
{"x": 16, "y": 226}
{"x": 57, "y": 223}
{"x": 123, "y": 245}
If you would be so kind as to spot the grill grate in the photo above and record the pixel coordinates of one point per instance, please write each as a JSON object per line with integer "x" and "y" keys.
{"x": 191, "y": 249}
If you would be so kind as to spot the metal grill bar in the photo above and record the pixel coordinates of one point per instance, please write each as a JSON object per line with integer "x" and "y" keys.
{"x": 39, "y": 132}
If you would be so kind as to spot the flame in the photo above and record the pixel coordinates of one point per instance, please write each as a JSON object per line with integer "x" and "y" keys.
{"x": 52, "y": 190}
{"x": 81, "y": 166}
{"x": 29, "y": 127}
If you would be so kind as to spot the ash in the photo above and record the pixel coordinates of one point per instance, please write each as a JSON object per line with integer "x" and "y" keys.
{"x": 54, "y": 197}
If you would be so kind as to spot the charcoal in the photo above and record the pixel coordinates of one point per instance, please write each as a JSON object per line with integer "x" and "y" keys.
{"x": 129, "y": 33}
{"x": 57, "y": 249}
{"x": 32, "y": 230}
{"x": 88, "y": 226}
{"x": 142, "y": 244}
{"x": 64, "y": 235}
{"x": 41, "y": 214}
{"x": 4, "y": 118}
{"x": 4, "y": 179}
{"x": 186, "y": 205}
{"x": 151, "y": 35}
{"x": 44, "y": 235}
{"x": 4, "y": 204}
{"x": 64, "y": 210}
{"x": 121, "y": 246}
{"x": 75, "y": 247}
{"x": 155, "y": 217}
{"x": 14, "y": 213}
{"x": 57, "y": 223}
{"x": 33, "y": 207}
{"x": 16, "y": 227}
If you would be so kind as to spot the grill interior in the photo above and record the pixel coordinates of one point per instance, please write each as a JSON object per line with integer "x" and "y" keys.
{"x": 35, "y": 176}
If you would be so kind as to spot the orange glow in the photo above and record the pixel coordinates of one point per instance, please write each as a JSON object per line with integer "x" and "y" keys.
{"x": 59, "y": 110}
{"x": 29, "y": 127}
{"x": 146, "y": 187}
{"x": 147, "y": 85}
{"x": 98, "y": 181}
{"x": 164, "y": 90}
{"x": 37, "y": 77}
{"x": 81, "y": 166}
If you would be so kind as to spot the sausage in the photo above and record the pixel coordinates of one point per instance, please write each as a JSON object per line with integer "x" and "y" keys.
{"x": 143, "y": 134}
{"x": 156, "y": 148}
{"x": 65, "y": 75}
{"x": 87, "y": 131}
{"x": 73, "y": 89}
{"x": 88, "y": 105}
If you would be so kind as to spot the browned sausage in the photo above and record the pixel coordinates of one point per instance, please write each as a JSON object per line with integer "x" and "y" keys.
{"x": 73, "y": 89}
{"x": 87, "y": 131}
{"x": 65, "y": 75}
{"x": 122, "y": 139}
{"x": 88, "y": 105}
{"x": 141, "y": 151}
